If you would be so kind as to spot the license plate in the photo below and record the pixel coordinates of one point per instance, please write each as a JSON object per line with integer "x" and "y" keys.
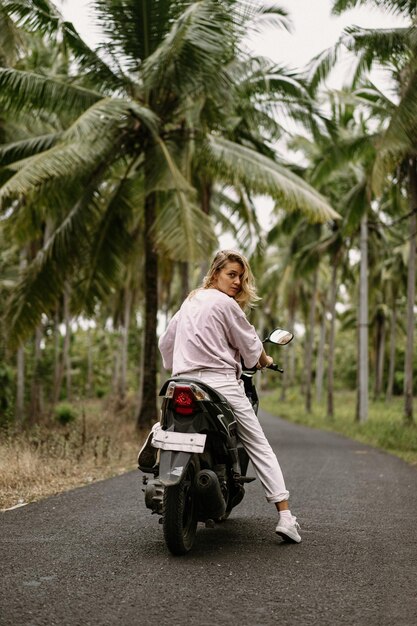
{"x": 179, "y": 442}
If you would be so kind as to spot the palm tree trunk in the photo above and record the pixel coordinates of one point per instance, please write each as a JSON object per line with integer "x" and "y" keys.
{"x": 117, "y": 366}
{"x": 67, "y": 342}
{"x": 320, "y": 357}
{"x": 330, "y": 364}
{"x": 36, "y": 386}
{"x": 20, "y": 365}
{"x": 284, "y": 377}
{"x": 205, "y": 199}
{"x": 125, "y": 342}
{"x": 57, "y": 363}
{"x": 290, "y": 380}
{"x": 380, "y": 354}
{"x": 62, "y": 365}
{"x": 288, "y": 364}
{"x": 90, "y": 363}
{"x": 411, "y": 291}
{"x": 391, "y": 368}
{"x": 20, "y": 386}
{"x": 185, "y": 283}
{"x": 310, "y": 343}
{"x": 148, "y": 408}
{"x": 363, "y": 367}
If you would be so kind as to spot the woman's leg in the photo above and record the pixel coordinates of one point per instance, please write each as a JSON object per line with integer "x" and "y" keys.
{"x": 258, "y": 448}
{"x": 252, "y": 436}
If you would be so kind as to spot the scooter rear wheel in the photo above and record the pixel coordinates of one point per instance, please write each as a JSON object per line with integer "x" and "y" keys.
{"x": 180, "y": 512}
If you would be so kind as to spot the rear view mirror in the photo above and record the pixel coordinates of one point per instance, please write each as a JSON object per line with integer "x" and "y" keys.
{"x": 280, "y": 336}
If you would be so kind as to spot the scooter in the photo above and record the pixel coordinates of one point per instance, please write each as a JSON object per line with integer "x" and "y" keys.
{"x": 201, "y": 469}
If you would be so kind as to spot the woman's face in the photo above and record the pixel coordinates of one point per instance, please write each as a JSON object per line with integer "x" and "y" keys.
{"x": 229, "y": 278}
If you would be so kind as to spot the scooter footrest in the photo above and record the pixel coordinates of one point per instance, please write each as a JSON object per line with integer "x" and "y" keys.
{"x": 245, "y": 479}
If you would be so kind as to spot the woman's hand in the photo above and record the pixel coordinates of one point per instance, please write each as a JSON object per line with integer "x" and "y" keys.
{"x": 264, "y": 361}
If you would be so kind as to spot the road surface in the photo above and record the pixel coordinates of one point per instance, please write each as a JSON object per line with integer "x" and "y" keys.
{"x": 96, "y": 556}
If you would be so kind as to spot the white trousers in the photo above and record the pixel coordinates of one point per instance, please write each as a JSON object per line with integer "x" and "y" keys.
{"x": 249, "y": 431}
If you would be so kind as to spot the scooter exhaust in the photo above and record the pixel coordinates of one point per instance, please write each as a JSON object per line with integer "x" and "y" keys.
{"x": 212, "y": 504}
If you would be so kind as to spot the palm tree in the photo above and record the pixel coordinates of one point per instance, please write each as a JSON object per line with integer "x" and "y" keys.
{"x": 117, "y": 166}
{"x": 342, "y": 157}
{"x": 395, "y": 49}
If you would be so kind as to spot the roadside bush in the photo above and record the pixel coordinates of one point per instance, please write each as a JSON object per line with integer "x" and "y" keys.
{"x": 65, "y": 414}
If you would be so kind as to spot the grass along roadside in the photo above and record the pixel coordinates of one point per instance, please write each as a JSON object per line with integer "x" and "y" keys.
{"x": 100, "y": 443}
{"x": 384, "y": 429}
{"x": 51, "y": 458}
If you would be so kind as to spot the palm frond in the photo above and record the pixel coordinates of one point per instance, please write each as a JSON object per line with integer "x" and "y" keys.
{"x": 367, "y": 94}
{"x": 401, "y": 7}
{"x": 384, "y": 44}
{"x": 113, "y": 242}
{"x": 11, "y": 152}
{"x": 182, "y": 231}
{"x": 385, "y": 163}
{"x": 31, "y": 92}
{"x": 321, "y": 65}
{"x": 111, "y": 115}
{"x": 258, "y": 16}
{"x": 88, "y": 248}
{"x": 267, "y": 84}
{"x": 234, "y": 164}
{"x": 193, "y": 51}
{"x": 136, "y": 28}
{"x": 348, "y": 150}
{"x": 10, "y": 38}
{"x": 95, "y": 138}
{"x": 165, "y": 175}
{"x": 43, "y": 17}
{"x": 93, "y": 69}
{"x": 400, "y": 136}
{"x": 237, "y": 216}
{"x": 44, "y": 279}
{"x": 356, "y": 203}
{"x": 39, "y": 16}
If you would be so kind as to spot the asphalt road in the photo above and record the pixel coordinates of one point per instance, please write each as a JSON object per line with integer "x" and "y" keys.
{"x": 96, "y": 556}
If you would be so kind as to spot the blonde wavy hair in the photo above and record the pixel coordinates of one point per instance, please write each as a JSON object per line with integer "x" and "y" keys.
{"x": 247, "y": 296}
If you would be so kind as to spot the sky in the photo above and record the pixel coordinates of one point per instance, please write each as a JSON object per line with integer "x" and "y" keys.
{"x": 313, "y": 30}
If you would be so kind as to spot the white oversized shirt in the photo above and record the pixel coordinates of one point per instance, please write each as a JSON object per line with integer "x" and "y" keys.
{"x": 210, "y": 331}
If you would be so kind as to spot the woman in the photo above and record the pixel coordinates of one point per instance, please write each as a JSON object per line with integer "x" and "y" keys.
{"x": 207, "y": 338}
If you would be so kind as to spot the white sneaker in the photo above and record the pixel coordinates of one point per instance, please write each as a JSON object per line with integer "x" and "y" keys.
{"x": 288, "y": 530}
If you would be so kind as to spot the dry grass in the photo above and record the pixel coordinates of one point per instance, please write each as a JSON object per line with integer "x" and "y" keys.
{"x": 52, "y": 458}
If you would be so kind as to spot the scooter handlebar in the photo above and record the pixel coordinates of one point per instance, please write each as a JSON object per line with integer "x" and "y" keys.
{"x": 275, "y": 368}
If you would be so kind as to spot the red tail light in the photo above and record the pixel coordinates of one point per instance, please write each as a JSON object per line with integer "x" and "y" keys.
{"x": 183, "y": 400}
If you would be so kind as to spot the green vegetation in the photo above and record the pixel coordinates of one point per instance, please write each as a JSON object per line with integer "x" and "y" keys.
{"x": 384, "y": 428}
{"x": 65, "y": 413}
{"x": 121, "y": 165}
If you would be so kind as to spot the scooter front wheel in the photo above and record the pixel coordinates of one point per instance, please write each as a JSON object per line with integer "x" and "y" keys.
{"x": 180, "y": 512}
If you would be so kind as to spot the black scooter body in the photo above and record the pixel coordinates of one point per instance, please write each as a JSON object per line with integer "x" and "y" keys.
{"x": 222, "y": 466}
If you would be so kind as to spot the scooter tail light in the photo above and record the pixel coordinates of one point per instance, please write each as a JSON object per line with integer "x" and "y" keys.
{"x": 184, "y": 397}
{"x": 183, "y": 400}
